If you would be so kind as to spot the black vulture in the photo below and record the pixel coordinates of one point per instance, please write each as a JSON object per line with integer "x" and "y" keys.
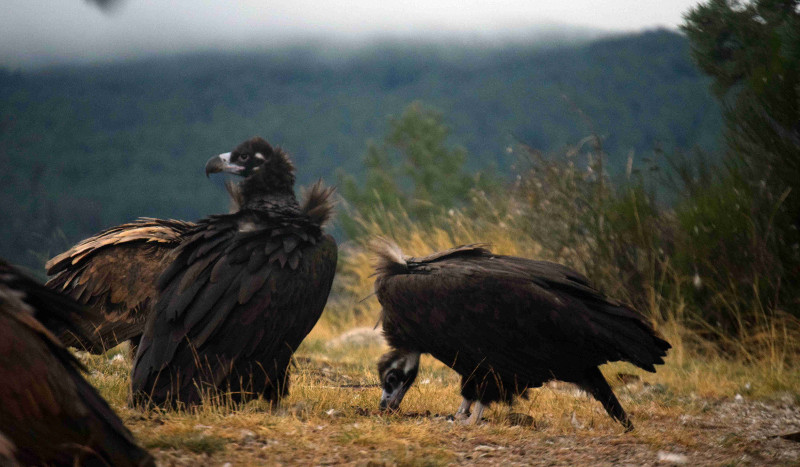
{"x": 243, "y": 290}
{"x": 505, "y": 324}
{"x": 49, "y": 414}
{"x": 114, "y": 274}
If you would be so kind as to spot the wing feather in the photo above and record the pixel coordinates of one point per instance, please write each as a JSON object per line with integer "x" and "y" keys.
{"x": 114, "y": 273}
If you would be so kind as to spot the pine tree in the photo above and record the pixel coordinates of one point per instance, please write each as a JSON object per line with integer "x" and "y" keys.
{"x": 752, "y": 52}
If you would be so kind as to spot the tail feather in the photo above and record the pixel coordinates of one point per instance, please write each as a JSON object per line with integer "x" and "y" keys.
{"x": 633, "y": 339}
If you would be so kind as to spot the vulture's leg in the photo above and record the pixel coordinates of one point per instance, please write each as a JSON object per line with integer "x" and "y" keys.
{"x": 597, "y": 386}
{"x": 476, "y": 415}
{"x": 463, "y": 410}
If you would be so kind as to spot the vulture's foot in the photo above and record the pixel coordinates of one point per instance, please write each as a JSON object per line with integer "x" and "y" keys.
{"x": 463, "y": 411}
{"x": 476, "y": 416}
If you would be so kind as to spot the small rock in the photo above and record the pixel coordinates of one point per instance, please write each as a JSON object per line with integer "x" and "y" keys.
{"x": 575, "y": 422}
{"x": 787, "y": 398}
{"x": 118, "y": 359}
{"x": 358, "y": 337}
{"x": 738, "y": 398}
{"x": 332, "y": 412}
{"x": 227, "y": 464}
{"x": 247, "y": 435}
{"x": 671, "y": 458}
{"x": 483, "y": 447}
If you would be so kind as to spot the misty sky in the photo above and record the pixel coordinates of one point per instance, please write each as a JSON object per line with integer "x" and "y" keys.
{"x": 34, "y": 32}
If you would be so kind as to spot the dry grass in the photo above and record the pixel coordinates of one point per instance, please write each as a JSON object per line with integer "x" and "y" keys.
{"x": 689, "y": 408}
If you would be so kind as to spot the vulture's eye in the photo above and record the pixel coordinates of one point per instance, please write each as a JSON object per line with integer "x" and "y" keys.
{"x": 244, "y": 157}
{"x": 391, "y": 379}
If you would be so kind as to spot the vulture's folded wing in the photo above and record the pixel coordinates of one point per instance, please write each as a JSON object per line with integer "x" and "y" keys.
{"x": 229, "y": 297}
{"x": 114, "y": 274}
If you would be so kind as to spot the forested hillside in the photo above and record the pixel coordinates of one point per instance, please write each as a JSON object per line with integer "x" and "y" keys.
{"x": 86, "y": 147}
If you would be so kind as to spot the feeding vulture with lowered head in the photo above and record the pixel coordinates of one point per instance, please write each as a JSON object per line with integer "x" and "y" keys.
{"x": 242, "y": 291}
{"x": 505, "y": 324}
{"x": 114, "y": 274}
{"x": 49, "y": 414}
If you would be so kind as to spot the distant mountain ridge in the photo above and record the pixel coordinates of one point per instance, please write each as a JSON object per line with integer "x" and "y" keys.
{"x": 85, "y": 147}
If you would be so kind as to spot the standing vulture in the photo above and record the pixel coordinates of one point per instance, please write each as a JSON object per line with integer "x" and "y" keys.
{"x": 114, "y": 274}
{"x": 505, "y": 324}
{"x": 242, "y": 292}
{"x": 49, "y": 414}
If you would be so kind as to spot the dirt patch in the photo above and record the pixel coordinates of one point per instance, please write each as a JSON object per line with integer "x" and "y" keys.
{"x": 721, "y": 432}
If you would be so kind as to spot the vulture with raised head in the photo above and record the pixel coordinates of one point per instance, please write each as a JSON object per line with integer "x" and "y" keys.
{"x": 243, "y": 290}
{"x": 49, "y": 414}
{"x": 505, "y": 324}
{"x": 114, "y": 274}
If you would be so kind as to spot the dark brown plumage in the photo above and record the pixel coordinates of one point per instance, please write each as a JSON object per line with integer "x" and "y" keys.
{"x": 243, "y": 290}
{"x": 505, "y": 324}
{"x": 114, "y": 274}
{"x": 50, "y": 415}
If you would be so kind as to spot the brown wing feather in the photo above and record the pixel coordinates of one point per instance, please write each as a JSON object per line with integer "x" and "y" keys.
{"x": 47, "y": 410}
{"x": 114, "y": 273}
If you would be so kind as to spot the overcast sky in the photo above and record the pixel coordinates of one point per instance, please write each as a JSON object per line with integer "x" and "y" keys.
{"x": 34, "y": 32}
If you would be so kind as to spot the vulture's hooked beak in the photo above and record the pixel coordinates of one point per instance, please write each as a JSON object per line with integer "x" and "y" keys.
{"x": 222, "y": 163}
{"x": 391, "y": 400}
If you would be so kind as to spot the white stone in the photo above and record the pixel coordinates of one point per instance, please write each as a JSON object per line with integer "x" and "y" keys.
{"x": 671, "y": 458}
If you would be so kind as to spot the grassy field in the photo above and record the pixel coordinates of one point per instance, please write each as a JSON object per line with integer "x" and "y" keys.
{"x": 700, "y": 411}
{"x": 702, "y": 407}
